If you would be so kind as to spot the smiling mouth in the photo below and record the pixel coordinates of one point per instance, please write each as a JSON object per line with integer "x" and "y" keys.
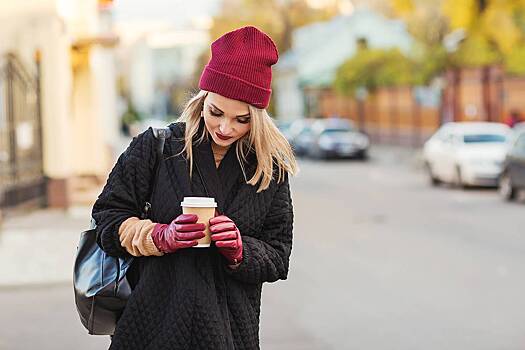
{"x": 224, "y": 138}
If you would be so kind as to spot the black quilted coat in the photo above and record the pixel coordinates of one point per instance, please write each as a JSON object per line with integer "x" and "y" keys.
{"x": 191, "y": 299}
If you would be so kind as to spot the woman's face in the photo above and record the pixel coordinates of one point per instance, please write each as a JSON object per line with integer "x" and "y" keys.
{"x": 226, "y": 120}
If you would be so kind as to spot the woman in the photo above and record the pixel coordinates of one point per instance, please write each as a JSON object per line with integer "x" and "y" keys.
{"x": 205, "y": 298}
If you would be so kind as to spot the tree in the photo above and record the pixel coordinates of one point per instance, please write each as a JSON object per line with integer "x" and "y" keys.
{"x": 495, "y": 29}
{"x": 428, "y": 26}
{"x": 278, "y": 18}
{"x": 373, "y": 68}
{"x": 514, "y": 62}
{"x": 476, "y": 51}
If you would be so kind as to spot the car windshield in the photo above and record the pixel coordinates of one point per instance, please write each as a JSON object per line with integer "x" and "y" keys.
{"x": 284, "y": 125}
{"x": 335, "y": 132}
{"x": 306, "y": 131}
{"x": 484, "y": 138}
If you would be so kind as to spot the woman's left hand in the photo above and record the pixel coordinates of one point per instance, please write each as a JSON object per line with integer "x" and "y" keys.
{"x": 227, "y": 238}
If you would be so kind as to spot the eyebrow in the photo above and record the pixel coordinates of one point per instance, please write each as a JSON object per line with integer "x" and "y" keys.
{"x": 239, "y": 116}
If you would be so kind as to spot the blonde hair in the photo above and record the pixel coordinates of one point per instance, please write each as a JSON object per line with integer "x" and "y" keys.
{"x": 270, "y": 146}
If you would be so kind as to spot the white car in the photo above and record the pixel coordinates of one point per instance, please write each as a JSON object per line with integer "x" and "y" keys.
{"x": 467, "y": 153}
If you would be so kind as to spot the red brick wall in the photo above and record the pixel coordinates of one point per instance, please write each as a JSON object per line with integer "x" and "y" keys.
{"x": 389, "y": 115}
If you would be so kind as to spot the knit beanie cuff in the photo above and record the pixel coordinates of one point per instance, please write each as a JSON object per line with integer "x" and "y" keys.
{"x": 235, "y": 88}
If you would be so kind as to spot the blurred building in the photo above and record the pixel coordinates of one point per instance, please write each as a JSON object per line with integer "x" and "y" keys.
{"x": 320, "y": 48}
{"x": 157, "y": 59}
{"x": 58, "y": 126}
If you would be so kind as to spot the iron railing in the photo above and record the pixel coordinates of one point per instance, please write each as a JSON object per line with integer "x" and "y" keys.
{"x": 21, "y": 158}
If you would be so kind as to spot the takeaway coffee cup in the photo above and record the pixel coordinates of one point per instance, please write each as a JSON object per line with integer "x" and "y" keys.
{"x": 204, "y": 208}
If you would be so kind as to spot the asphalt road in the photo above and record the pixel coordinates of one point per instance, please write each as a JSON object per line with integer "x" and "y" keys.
{"x": 384, "y": 261}
{"x": 381, "y": 260}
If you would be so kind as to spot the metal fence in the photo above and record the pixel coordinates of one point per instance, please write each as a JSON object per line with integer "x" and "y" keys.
{"x": 21, "y": 161}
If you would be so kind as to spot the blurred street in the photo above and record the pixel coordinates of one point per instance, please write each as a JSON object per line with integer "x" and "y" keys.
{"x": 406, "y": 266}
{"x": 386, "y": 255}
{"x": 381, "y": 260}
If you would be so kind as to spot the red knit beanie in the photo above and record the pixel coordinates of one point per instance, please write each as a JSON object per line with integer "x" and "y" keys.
{"x": 241, "y": 66}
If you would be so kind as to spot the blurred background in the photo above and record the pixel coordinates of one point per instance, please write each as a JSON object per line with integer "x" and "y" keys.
{"x": 408, "y": 120}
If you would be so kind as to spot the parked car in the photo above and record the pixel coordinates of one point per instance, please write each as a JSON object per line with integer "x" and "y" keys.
{"x": 519, "y": 126}
{"x": 467, "y": 153}
{"x": 284, "y": 127}
{"x": 337, "y": 138}
{"x": 512, "y": 178}
{"x": 299, "y": 135}
{"x": 302, "y": 142}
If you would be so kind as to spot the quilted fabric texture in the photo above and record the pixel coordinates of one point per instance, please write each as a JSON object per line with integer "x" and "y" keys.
{"x": 191, "y": 299}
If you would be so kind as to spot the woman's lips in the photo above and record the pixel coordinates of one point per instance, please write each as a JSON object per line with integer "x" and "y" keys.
{"x": 222, "y": 137}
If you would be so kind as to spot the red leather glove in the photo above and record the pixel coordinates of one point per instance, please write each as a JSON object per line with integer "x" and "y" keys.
{"x": 182, "y": 232}
{"x": 227, "y": 238}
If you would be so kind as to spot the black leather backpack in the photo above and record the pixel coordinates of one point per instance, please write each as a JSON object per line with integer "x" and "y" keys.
{"x": 100, "y": 283}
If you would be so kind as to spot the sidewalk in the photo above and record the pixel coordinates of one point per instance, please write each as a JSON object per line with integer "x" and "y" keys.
{"x": 39, "y": 247}
{"x": 397, "y": 155}
{"x": 37, "y": 251}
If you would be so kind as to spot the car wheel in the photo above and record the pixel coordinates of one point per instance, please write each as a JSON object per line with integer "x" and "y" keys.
{"x": 362, "y": 155}
{"x": 317, "y": 154}
{"x": 458, "y": 179}
{"x": 312, "y": 154}
{"x": 433, "y": 179}
{"x": 507, "y": 191}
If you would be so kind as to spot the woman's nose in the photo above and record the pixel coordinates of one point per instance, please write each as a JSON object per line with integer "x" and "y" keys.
{"x": 225, "y": 129}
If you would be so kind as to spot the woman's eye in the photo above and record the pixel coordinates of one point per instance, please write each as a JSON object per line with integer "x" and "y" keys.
{"x": 244, "y": 121}
{"x": 215, "y": 114}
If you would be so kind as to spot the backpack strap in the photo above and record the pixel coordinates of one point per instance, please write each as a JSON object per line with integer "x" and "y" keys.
{"x": 161, "y": 134}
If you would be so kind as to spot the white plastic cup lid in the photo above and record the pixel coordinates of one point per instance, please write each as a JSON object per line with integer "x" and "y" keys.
{"x": 199, "y": 202}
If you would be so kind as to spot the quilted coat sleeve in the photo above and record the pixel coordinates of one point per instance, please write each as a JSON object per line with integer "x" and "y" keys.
{"x": 268, "y": 260}
{"x": 125, "y": 192}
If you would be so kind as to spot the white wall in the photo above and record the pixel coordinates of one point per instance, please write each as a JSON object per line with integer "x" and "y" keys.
{"x": 44, "y": 31}
{"x": 288, "y": 96}
{"x": 56, "y": 100}
{"x": 96, "y": 127}
{"x": 176, "y": 52}
{"x": 79, "y": 120}
{"x": 141, "y": 78}
{"x": 105, "y": 93}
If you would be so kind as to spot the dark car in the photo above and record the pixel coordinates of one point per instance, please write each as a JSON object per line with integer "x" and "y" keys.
{"x": 284, "y": 127}
{"x": 300, "y": 136}
{"x": 337, "y": 138}
{"x": 512, "y": 179}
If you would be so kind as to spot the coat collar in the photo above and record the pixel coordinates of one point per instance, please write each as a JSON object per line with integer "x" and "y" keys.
{"x": 220, "y": 181}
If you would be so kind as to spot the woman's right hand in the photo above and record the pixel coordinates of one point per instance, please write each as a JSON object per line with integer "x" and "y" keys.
{"x": 183, "y": 232}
